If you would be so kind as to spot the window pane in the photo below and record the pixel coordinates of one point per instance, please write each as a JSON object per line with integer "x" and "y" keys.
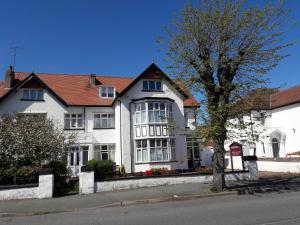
{"x": 111, "y": 92}
{"x": 144, "y": 143}
{"x": 151, "y": 116}
{"x": 104, "y": 123}
{"x": 164, "y": 142}
{"x": 85, "y": 157}
{"x": 165, "y": 154}
{"x": 40, "y": 94}
{"x": 151, "y": 130}
{"x": 104, "y": 147}
{"x": 145, "y": 154}
{"x": 152, "y": 154}
{"x": 143, "y": 117}
{"x": 151, "y": 85}
{"x": 77, "y": 158}
{"x": 138, "y": 131}
{"x": 32, "y": 94}
{"x": 26, "y": 94}
{"x": 97, "y": 116}
{"x": 145, "y": 85}
{"x": 150, "y": 106}
{"x": 72, "y": 159}
{"x": 139, "y": 144}
{"x": 162, "y": 106}
{"x": 96, "y": 123}
{"x": 158, "y": 131}
{"x": 159, "y": 156}
{"x": 80, "y": 122}
{"x": 152, "y": 143}
{"x": 158, "y": 85}
{"x": 104, "y": 155}
{"x": 67, "y": 122}
{"x": 139, "y": 155}
{"x": 103, "y": 92}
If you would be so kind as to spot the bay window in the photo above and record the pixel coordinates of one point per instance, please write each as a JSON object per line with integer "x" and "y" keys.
{"x": 153, "y": 112}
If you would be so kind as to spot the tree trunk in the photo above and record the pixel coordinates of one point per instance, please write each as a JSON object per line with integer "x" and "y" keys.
{"x": 218, "y": 168}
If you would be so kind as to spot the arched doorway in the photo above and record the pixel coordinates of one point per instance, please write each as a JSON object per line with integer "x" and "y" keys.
{"x": 275, "y": 147}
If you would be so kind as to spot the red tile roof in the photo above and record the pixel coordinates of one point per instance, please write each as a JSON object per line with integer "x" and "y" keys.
{"x": 285, "y": 97}
{"x": 75, "y": 89}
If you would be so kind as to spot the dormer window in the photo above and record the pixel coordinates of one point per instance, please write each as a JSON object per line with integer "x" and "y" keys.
{"x": 151, "y": 85}
{"x": 107, "y": 92}
{"x": 33, "y": 94}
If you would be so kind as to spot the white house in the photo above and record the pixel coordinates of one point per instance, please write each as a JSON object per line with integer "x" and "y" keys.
{"x": 128, "y": 120}
{"x": 275, "y": 119}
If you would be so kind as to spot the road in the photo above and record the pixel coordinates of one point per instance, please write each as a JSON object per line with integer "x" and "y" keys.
{"x": 261, "y": 209}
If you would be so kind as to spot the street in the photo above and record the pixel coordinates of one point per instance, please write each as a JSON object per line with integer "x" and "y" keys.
{"x": 281, "y": 208}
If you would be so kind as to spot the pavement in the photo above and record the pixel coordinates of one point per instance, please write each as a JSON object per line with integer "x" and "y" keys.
{"x": 179, "y": 192}
{"x": 257, "y": 209}
{"x": 104, "y": 199}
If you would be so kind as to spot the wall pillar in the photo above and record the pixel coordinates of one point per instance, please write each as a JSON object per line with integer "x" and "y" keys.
{"x": 46, "y": 183}
{"x": 251, "y": 165}
{"x": 86, "y": 181}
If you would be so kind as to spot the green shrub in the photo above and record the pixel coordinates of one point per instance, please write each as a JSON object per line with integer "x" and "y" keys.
{"x": 22, "y": 175}
{"x": 103, "y": 168}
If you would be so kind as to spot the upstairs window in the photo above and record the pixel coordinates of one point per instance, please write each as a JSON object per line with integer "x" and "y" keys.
{"x": 107, "y": 92}
{"x": 73, "y": 121}
{"x": 104, "y": 120}
{"x": 152, "y": 85}
{"x": 33, "y": 94}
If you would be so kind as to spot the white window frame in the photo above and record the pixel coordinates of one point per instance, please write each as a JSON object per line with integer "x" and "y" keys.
{"x": 106, "y": 91}
{"x": 147, "y": 88}
{"x": 110, "y": 120}
{"x": 144, "y": 153}
{"x": 71, "y": 117}
{"x": 33, "y": 94}
{"x": 110, "y": 151}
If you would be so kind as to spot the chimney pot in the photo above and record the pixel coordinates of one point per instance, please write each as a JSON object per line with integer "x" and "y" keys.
{"x": 9, "y": 77}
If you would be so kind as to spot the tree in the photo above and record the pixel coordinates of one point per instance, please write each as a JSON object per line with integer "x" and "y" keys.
{"x": 222, "y": 50}
{"x": 30, "y": 140}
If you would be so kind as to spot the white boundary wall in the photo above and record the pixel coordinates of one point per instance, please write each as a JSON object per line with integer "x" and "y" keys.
{"x": 284, "y": 167}
{"x": 44, "y": 190}
{"x": 160, "y": 181}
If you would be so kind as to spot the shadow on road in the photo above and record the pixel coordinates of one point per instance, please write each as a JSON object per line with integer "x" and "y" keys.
{"x": 278, "y": 184}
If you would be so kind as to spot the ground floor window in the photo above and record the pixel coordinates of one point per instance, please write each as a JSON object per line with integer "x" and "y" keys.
{"x": 155, "y": 150}
{"x": 104, "y": 151}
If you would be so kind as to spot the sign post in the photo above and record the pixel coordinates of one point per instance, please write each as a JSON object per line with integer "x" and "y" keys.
{"x": 236, "y": 150}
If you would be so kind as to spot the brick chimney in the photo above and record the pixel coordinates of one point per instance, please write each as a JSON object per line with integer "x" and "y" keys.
{"x": 93, "y": 80}
{"x": 9, "y": 77}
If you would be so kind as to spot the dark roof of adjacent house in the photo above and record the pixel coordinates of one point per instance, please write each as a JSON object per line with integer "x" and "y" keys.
{"x": 76, "y": 89}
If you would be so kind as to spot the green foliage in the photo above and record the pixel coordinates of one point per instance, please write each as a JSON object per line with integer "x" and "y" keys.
{"x": 122, "y": 171}
{"x": 22, "y": 175}
{"x": 28, "y": 141}
{"x": 103, "y": 168}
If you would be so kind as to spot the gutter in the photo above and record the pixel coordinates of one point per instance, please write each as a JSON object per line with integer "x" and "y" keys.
{"x": 121, "y": 140}
{"x": 131, "y": 139}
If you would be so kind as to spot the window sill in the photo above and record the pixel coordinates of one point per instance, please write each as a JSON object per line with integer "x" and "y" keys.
{"x": 143, "y": 90}
{"x": 74, "y": 129}
{"x": 33, "y": 100}
{"x": 156, "y": 162}
{"x": 107, "y": 128}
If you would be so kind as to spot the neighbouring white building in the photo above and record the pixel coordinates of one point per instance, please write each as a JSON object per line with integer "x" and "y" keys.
{"x": 141, "y": 122}
{"x": 275, "y": 119}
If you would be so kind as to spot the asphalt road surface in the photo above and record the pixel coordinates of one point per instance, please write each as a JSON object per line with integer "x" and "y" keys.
{"x": 261, "y": 209}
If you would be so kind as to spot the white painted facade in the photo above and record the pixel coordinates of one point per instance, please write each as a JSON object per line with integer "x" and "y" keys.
{"x": 122, "y": 136}
{"x": 278, "y": 131}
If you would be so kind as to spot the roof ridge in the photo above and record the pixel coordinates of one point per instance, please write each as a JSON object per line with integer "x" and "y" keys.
{"x": 285, "y": 90}
{"x": 74, "y": 74}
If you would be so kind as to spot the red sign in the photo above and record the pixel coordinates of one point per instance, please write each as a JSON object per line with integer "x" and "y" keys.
{"x": 235, "y": 149}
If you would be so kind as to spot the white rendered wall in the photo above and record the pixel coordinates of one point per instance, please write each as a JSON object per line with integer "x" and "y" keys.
{"x": 284, "y": 167}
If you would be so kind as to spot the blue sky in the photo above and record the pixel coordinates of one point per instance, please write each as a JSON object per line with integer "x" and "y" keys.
{"x": 103, "y": 37}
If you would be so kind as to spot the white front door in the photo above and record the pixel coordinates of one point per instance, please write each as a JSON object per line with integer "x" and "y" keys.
{"x": 78, "y": 157}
